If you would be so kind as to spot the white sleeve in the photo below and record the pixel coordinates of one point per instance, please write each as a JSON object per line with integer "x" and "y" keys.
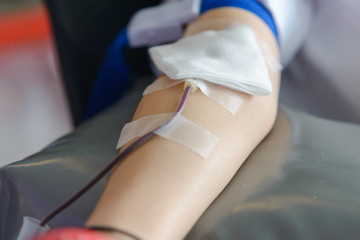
{"x": 293, "y": 19}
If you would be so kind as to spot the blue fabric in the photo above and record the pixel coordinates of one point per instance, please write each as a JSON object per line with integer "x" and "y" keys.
{"x": 112, "y": 79}
{"x": 249, "y": 5}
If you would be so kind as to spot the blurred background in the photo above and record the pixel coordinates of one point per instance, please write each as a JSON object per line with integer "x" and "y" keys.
{"x": 33, "y": 107}
{"x": 50, "y": 49}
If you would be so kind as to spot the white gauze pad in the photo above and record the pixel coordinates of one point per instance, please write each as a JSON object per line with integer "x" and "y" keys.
{"x": 219, "y": 23}
{"x": 230, "y": 57}
{"x": 179, "y": 130}
{"x": 226, "y": 97}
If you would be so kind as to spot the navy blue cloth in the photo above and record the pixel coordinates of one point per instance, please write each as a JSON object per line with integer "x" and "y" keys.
{"x": 112, "y": 79}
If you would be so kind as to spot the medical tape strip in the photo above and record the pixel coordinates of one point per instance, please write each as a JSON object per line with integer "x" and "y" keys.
{"x": 180, "y": 130}
{"x": 160, "y": 84}
{"x": 227, "y": 98}
{"x": 272, "y": 63}
{"x": 230, "y": 57}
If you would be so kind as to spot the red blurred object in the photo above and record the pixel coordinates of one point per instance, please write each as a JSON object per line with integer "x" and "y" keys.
{"x": 24, "y": 26}
{"x": 72, "y": 234}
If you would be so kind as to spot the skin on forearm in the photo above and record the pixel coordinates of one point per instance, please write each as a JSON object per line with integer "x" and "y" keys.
{"x": 162, "y": 188}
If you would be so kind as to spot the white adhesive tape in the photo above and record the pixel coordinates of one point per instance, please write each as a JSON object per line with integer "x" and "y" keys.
{"x": 140, "y": 127}
{"x": 160, "y": 84}
{"x": 226, "y": 97}
{"x": 209, "y": 24}
{"x": 180, "y": 130}
{"x": 269, "y": 56}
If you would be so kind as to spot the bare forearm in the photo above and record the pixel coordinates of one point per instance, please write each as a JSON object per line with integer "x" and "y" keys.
{"x": 162, "y": 188}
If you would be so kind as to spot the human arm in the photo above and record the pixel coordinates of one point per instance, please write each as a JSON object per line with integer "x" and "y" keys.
{"x": 162, "y": 188}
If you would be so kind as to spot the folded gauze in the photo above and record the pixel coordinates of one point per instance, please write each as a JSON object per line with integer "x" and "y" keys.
{"x": 230, "y": 57}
